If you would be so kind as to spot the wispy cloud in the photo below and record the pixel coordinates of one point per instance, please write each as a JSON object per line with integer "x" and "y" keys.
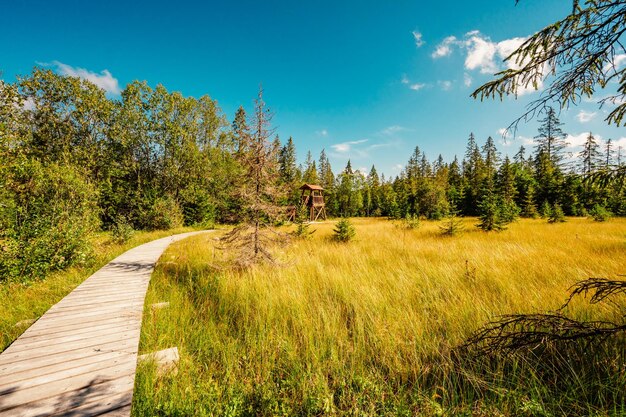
{"x": 392, "y": 130}
{"x": 417, "y": 36}
{"x": 104, "y": 79}
{"x": 445, "y": 85}
{"x": 417, "y": 86}
{"x": 445, "y": 47}
{"x": 405, "y": 79}
{"x": 467, "y": 79}
{"x": 585, "y": 116}
{"x": 346, "y": 147}
{"x": 322, "y": 132}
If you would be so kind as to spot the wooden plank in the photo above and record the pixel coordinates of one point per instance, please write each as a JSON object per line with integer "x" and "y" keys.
{"x": 166, "y": 360}
{"x": 24, "y": 323}
{"x": 25, "y": 395}
{"x": 126, "y": 346}
{"x": 159, "y": 306}
{"x": 60, "y": 404}
{"x": 80, "y": 357}
{"x": 66, "y": 350}
{"x": 29, "y": 374}
{"x": 83, "y": 330}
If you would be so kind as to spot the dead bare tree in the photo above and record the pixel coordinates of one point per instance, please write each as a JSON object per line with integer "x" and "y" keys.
{"x": 258, "y": 192}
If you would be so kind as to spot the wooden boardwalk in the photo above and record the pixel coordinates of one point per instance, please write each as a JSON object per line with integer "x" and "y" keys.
{"x": 79, "y": 358}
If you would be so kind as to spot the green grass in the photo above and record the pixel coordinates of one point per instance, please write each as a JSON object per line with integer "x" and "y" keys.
{"x": 29, "y": 301}
{"x": 366, "y": 327}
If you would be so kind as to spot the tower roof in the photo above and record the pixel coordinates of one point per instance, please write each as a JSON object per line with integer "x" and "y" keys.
{"x": 311, "y": 187}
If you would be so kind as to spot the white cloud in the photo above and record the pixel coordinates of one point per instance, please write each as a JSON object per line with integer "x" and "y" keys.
{"x": 322, "y": 132}
{"x": 616, "y": 65}
{"x": 482, "y": 52}
{"x": 504, "y": 132}
{"x": 391, "y": 130}
{"x": 484, "y": 55}
{"x": 417, "y": 86}
{"x": 584, "y": 116}
{"x": 104, "y": 79}
{"x": 417, "y": 36}
{"x": 467, "y": 79}
{"x": 577, "y": 141}
{"x": 445, "y": 85}
{"x": 405, "y": 79}
{"x": 345, "y": 147}
{"x": 445, "y": 47}
{"x": 398, "y": 167}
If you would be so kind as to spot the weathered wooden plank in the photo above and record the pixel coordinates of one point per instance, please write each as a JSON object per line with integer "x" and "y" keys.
{"x": 127, "y": 346}
{"x": 26, "y": 394}
{"x": 29, "y": 374}
{"x": 33, "y": 346}
{"x": 159, "y": 306}
{"x": 25, "y": 351}
{"x": 62, "y": 404}
{"x": 166, "y": 360}
{"x": 84, "y": 330}
{"x": 80, "y": 357}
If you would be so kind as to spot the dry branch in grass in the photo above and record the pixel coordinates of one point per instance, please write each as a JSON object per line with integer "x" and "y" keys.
{"x": 527, "y": 332}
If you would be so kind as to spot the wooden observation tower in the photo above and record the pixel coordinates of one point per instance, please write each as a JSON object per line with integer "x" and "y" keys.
{"x": 313, "y": 199}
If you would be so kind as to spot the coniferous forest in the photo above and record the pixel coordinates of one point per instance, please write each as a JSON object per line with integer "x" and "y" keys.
{"x": 74, "y": 161}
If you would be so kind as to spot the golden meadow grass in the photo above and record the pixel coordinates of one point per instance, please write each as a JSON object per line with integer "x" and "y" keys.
{"x": 356, "y": 328}
{"x": 29, "y": 301}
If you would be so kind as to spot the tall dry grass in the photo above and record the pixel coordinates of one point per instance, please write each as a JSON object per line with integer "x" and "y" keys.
{"x": 366, "y": 327}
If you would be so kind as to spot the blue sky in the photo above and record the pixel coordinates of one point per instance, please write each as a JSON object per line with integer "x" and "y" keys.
{"x": 366, "y": 80}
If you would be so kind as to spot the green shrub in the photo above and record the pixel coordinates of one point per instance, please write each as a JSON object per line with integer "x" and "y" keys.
{"x": 600, "y": 213}
{"x": 164, "y": 213}
{"x": 546, "y": 210}
{"x": 47, "y": 214}
{"x": 344, "y": 231}
{"x": 410, "y": 221}
{"x": 121, "y": 230}
{"x": 556, "y": 214}
{"x": 451, "y": 226}
{"x": 302, "y": 231}
{"x": 197, "y": 207}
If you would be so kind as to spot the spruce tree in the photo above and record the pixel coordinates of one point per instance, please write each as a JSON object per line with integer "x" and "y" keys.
{"x": 258, "y": 192}
{"x": 551, "y": 138}
{"x": 590, "y": 155}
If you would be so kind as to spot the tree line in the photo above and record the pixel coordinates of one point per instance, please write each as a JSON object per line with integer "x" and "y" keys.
{"x": 73, "y": 160}
{"x": 532, "y": 183}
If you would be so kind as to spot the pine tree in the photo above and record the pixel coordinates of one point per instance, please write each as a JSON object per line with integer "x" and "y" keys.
{"x": 240, "y": 130}
{"x": 551, "y": 138}
{"x": 608, "y": 153}
{"x": 310, "y": 175}
{"x": 590, "y": 155}
{"x": 287, "y": 161}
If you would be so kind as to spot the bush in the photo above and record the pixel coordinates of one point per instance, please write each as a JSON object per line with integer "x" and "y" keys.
{"x": 600, "y": 213}
{"x": 197, "y": 207}
{"x": 344, "y": 231}
{"x": 556, "y": 214}
{"x": 451, "y": 226}
{"x": 302, "y": 231}
{"x": 47, "y": 214}
{"x": 410, "y": 221}
{"x": 164, "y": 213}
{"x": 122, "y": 230}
